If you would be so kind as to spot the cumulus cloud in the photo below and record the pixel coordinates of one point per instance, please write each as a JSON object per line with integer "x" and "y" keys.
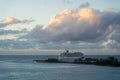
{"x": 12, "y": 20}
{"x": 37, "y": 34}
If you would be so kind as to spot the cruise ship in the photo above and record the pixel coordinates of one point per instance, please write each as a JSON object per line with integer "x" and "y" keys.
{"x": 70, "y": 56}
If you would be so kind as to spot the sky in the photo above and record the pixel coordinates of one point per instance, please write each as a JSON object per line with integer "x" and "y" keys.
{"x": 52, "y": 26}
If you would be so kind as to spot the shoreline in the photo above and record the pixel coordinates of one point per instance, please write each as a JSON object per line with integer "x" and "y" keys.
{"x": 110, "y": 61}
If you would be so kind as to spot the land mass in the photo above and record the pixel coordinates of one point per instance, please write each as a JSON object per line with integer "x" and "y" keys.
{"x": 110, "y": 61}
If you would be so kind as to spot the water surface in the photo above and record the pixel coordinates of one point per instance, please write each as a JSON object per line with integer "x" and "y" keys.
{"x": 23, "y": 68}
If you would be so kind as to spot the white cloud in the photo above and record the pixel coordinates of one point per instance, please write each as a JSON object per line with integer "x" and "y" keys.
{"x": 84, "y": 28}
{"x": 108, "y": 42}
{"x": 11, "y": 20}
{"x": 84, "y": 24}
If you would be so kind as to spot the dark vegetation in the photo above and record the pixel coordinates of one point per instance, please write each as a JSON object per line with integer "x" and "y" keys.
{"x": 110, "y": 61}
{"x": 52, "y": 60}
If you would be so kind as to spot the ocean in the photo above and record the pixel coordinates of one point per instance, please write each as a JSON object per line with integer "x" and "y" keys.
{"x": 21, "y": 67}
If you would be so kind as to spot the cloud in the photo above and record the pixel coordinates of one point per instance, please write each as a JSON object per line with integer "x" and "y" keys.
{"x": 37, "y": 34}
{"x": 6, "y": 32}
{"x": 12, "y": 20}
{"x": 16, "y": 44}
{"x": 111, "y": 44}
{"x": 106, "y": 43}
{"x": 116, "y": 36}
{"x": 85, "y": 5}
{"x": 84, "y": 28}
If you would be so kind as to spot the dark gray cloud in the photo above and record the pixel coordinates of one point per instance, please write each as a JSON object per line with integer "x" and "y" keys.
{"x": 12, "y": 20}
{"x": 21, "y": 44}
{"x": 85, "y": 5}
{"x": 116, "y": 36}
{"x": 37, "y": 35}
{"x": 16, "y": 44}
{"x": 6, "y": 32}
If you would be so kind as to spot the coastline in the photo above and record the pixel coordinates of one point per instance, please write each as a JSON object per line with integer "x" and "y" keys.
{"x": 110, "y": 61}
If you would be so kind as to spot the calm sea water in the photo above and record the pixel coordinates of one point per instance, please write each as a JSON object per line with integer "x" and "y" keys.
{"x": 23, "y": 68}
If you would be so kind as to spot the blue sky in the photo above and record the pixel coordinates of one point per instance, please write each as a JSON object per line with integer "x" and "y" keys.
{"x": 43, "y": 10}
{"x": 42, "y": 25}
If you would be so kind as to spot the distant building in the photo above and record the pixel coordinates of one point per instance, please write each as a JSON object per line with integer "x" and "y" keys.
{"x": 70, "y": 56}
